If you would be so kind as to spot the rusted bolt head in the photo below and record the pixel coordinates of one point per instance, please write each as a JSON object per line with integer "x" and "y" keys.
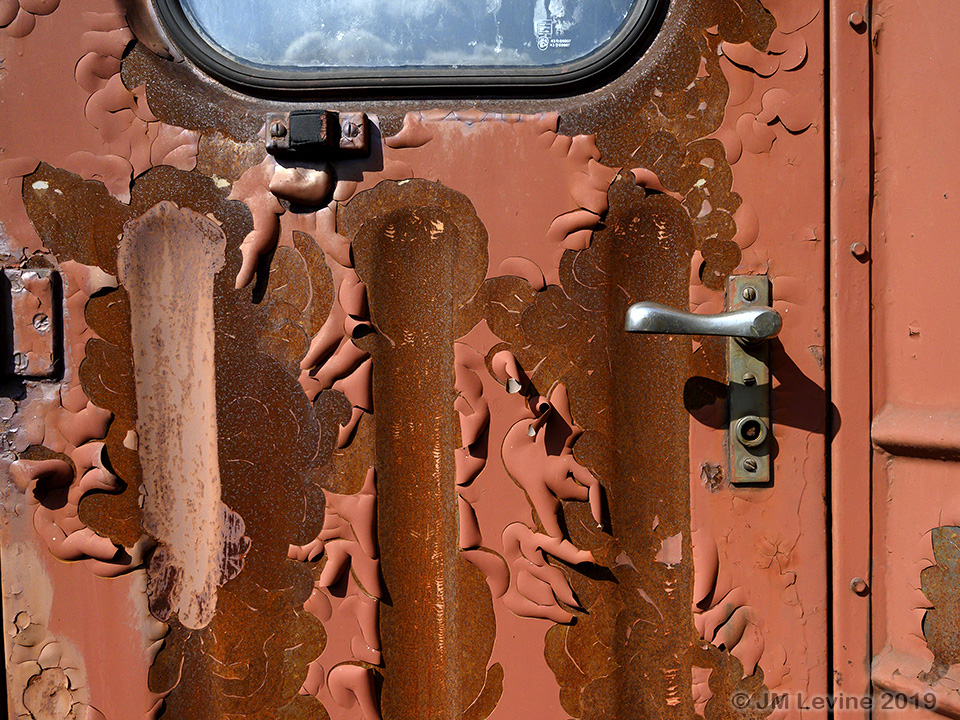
{"x": 350, "y": 130}
{"x": 749, "y": 294}
{"x": 750, "y": 465}
{"x": 859, "y": 586}
{"x": 858, "y": 249}
{"x": 278, "y": 130}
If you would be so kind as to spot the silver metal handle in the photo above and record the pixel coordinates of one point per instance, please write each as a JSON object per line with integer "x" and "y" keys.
{"x": 751, "y": 324}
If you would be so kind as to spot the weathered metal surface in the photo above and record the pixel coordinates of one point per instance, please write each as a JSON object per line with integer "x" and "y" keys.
{"x": 398, "y": 435}
{"x": 770, "y": 610}
{"x": 34, "y": 317}
{"x": 914, "y": 592}
{"x": 851, "y": 166}
{"x": 914, "y": 587}
{"x": 915, "y": 393}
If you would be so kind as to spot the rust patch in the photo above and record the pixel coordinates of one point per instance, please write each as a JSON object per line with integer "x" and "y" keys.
{"x": 261, "y": 628}
{"x": 396, "y": 228}
{"x": 712, "y": 476}
{"x": 939, "y": 584}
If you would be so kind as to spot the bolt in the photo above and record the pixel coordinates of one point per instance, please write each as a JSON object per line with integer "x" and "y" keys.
{"x": 278, "y": 130}
{"x": 749, "y": 294}
{"x": 350, "y": 130}
{"x": 749, "y": 379}
{"x": 750, "y": 465}
{"x": 857, "y": 21}
{"x": 858, "y": 249}
{"x": 859, "y": 586}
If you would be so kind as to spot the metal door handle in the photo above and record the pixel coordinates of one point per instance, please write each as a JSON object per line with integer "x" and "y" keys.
{"x": 750, "y": 324}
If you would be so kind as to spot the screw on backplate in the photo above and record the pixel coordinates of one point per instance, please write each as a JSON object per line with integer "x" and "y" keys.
{"x": 750, "y": 465}
{"x": 749, "y": 294}
{"x": 859, "y": 586}
{"x": 278, "y": 130}
{"x": 350, "y": 130}
{"x": 749, "y": 379}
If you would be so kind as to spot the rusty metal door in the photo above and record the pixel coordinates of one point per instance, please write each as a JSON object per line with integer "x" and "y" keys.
{"x": 366, "y": 437}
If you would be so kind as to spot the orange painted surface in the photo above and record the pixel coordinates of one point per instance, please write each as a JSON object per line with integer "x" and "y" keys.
{"x": 916, "y": 218}
{"x": 368, "y": 434}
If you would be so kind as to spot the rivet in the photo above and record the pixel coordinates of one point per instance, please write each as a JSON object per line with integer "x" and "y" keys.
{"x": 350, "y": 130}
{"x": 749, "y": 294}
{"x": 857, "y": 21}
{"x": 750, "y": 465}
{"x": 858, "y": 249}
{"x": 859, "y": 586}
{"x": 278, "y": 130}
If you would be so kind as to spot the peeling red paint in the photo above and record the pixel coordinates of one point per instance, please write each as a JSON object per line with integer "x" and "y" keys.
{"x": 770, "y": 612}
{"x": 350, "y": 615}
{"x": 449, "y": 313}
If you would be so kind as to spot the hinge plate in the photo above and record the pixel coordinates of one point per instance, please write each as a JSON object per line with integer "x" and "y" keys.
{"x": 33, "y": 322}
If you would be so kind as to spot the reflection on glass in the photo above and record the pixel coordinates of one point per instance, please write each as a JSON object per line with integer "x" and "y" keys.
{"x": 397, "y": 33}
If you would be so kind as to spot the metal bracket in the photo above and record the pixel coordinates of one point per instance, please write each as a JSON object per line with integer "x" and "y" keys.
{"x": 33, "y": 324}
{"x": 749, "y": 434}
{"x": 322, "y": 133}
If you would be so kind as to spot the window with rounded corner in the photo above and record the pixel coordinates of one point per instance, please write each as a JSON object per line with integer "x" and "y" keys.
{"x": 462, "y": 45}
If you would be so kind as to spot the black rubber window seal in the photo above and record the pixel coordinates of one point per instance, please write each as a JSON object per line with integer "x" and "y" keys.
{"x": 584, "y": 74}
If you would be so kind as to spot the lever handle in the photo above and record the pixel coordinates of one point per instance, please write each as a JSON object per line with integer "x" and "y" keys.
{"x": 750, "y": 324}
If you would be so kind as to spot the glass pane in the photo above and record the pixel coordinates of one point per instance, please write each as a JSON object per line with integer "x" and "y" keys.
{"x": 316, "y": 34}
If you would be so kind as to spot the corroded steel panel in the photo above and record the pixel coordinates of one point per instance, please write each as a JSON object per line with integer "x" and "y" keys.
{"x": 365, "y": 438}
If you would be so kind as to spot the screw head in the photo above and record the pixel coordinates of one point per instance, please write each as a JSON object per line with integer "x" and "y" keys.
{"x": 859, "y": 586}
{"x": 749, "y": 294}
{"x": 41, "y": 322}
{"x": 278, "y": 130}
{"x": 858, "y": 250}
{"x": 750, "y": 465}
{"x": 350, "y": 130}
{"x": 749, "y": 379}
